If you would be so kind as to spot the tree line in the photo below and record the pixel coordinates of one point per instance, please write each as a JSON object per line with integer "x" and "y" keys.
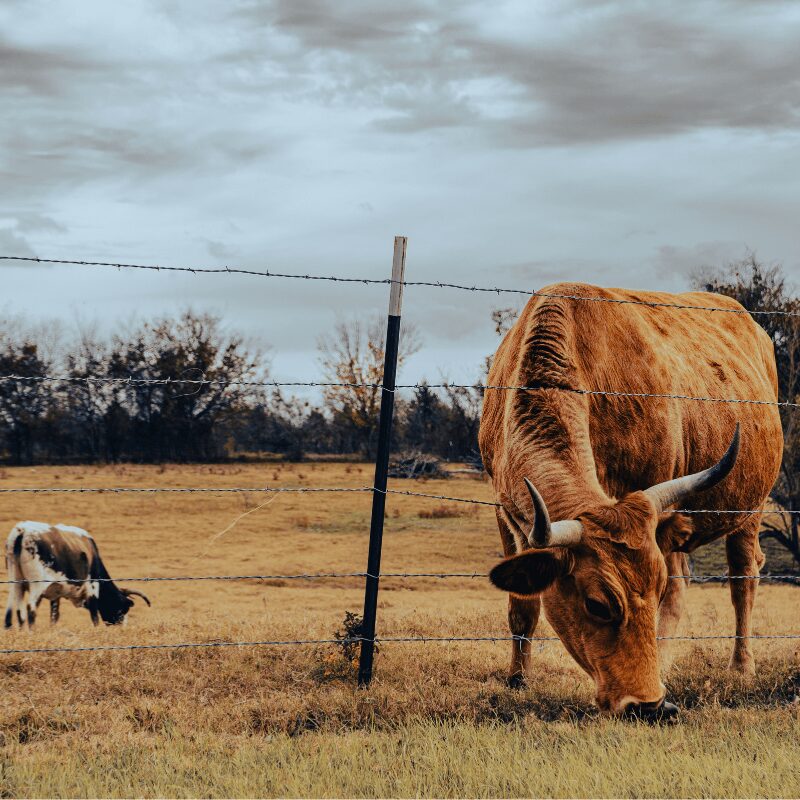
{"x": 185, "y": 389}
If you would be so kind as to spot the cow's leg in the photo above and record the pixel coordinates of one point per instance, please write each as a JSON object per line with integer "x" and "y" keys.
{"x": 92, "y": 605}
{"x": 34, "y": 598}
{"x": 523, "y": 614}
{"x": 16, "y": 591}
{"x": 744, "y": 558}
{"x": 55, "y": 610}
{"x": 671, "y": 608}
{"x": 14, "y": 598}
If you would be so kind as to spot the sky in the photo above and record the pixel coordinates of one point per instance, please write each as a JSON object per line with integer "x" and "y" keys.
{"x": 514, "y": 143}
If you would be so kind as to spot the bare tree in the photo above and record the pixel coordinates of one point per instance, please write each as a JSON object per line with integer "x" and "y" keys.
{"x": 503, "y": 319}
{"x": 353, "y": 354}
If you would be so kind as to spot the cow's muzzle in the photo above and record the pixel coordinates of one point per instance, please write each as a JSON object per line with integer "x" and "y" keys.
{"x": 662, "y": 712}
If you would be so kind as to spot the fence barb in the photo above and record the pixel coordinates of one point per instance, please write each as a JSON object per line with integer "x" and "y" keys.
{"x": 356, "y": 639}
{"x": 498, "y": 290}
{"x": 307, "y": 576}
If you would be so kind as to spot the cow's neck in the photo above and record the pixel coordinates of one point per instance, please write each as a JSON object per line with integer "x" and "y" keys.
{"x": 565, "y": 477}
{"x": 568, "y": 489}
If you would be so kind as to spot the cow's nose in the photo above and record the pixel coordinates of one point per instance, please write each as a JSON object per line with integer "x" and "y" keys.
{"x": 660, "y": 712}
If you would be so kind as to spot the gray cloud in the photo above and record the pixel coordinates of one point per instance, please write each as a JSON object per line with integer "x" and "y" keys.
{"x": 12, "y": 241}
{"x": 689, "y": 262}
{"x": 583, "y": 73}
{"x": 17, "y": 226}
{"x": 36, "y": 71}
{"x": 220, "y": 250}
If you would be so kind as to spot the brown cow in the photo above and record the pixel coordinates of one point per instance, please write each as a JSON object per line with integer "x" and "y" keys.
{"x": 609, "y": 469}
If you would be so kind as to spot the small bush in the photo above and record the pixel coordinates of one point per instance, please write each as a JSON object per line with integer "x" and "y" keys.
{"x": 342, "y": 664}
{"x": 417, "y": 465}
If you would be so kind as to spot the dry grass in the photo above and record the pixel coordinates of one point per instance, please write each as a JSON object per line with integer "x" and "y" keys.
{"x": 448, "y": 511}
{"x": 720, "y": 753}
{"x": 437, "y": 721}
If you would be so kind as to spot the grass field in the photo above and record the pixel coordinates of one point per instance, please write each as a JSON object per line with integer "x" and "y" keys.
{"x": 438, "y": 719}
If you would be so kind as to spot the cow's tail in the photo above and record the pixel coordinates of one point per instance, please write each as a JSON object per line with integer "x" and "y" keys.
{"x": 16, "y": 589}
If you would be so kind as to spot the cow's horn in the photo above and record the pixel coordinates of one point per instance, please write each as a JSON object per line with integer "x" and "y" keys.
{"x": 132, "y": 592}
{"x": 546, "y": 534}
{"x": 664, "y": 495}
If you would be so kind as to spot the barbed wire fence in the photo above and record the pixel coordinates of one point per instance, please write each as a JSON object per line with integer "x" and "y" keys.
{"x": 379, "y": 490}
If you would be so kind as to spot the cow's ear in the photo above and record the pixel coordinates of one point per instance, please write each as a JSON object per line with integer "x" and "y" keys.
{"x": 531, "y": 572}
{"x": 673, "y": 531}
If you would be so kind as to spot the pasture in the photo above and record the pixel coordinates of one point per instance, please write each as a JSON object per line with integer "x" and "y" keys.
{"x": 437, "y": 720}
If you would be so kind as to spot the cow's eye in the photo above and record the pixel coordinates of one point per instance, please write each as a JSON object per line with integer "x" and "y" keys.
{"x": 599, "y": 610}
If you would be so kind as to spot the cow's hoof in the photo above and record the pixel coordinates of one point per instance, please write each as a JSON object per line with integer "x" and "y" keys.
{"x": 745, "y": 667}
{"x": 516, "y": 681}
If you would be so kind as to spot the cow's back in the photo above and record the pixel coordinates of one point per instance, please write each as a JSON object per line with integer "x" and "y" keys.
{"x": 63, "y": 548}
{"x": 609, "y": 344}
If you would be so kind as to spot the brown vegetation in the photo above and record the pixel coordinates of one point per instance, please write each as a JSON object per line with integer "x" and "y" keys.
{"x": 450, "y": 511}
{"x": 438, "y": 719}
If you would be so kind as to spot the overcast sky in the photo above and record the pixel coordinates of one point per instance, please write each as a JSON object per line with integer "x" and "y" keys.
{"x": 514, "y": 143}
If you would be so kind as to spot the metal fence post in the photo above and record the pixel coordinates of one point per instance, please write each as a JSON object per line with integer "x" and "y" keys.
{"x": 382, "y": 463}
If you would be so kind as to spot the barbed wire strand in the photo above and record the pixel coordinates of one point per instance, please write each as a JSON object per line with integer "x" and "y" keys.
{"x": 329, "y": 575}
{"x": 184, "y": 490}
{"x": 499, "y": 505}
{"x": 133, "y": 382}
{"x": 604, "y": 392}
{"x": 382, "y": 281}
{"x": 136, "y": 382}
{"x": 357, "y": 639}
{"x": 318, "y": 489}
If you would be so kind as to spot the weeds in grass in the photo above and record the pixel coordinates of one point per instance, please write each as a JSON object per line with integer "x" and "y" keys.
{"x": 30, "y": 725}
{"x": 150, "y": 716}
{"x": 350, "y": 635}
{"x": 341, "y": 664}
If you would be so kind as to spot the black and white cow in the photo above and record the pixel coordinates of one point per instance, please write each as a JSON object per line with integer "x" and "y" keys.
{"x": 55, "y": 561}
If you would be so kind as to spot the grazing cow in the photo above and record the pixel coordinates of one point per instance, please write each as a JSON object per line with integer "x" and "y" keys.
{"x": 55, "y": 561}
{"x": 610, "y": 470}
